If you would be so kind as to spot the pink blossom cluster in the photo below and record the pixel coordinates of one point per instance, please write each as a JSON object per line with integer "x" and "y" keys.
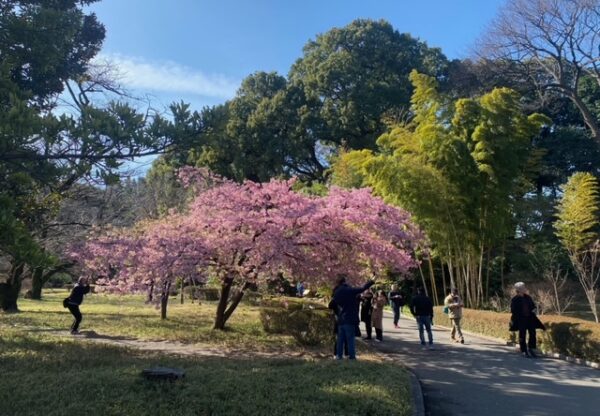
{"x": 253, "y": 231}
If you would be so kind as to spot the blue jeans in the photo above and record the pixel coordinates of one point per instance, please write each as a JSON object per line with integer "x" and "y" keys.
{"x": 424, "y": 322}
{"x": 346, "y": 334}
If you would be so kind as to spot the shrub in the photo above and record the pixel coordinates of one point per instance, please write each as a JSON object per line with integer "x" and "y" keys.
{"x": 570, "y": 336}
{"x": 59, "y": 280}
{"x": 310, "y": 323}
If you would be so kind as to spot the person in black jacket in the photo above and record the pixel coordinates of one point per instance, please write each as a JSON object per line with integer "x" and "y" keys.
{"x": 75, "y": 299}
{"x": 333, "y": 306}
{"x": 347, "y": 303}
{"x": 524, "y": 320}
{"x": 422, "y": 309}
{"x": 397, "y": 302}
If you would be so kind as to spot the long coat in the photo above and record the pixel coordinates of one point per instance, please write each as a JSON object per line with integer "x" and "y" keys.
{"x": 377, "y": 316}
{"x": 518, "y": 319}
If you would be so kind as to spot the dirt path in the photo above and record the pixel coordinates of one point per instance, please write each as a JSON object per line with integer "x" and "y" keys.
{"x": 177, "y": 348}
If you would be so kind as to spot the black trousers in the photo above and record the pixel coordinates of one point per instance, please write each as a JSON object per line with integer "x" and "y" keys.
{"x": 74, "y": 309}
{"x": 369, "y": 327}
{"x": 523, "y": 330}
{"x": 379, "y": 334}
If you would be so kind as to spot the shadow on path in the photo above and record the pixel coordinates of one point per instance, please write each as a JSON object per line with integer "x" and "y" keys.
{"x": 481, "y": 378}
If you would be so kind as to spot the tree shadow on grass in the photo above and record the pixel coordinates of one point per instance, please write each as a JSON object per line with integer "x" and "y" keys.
{"x": 108, "y": 380}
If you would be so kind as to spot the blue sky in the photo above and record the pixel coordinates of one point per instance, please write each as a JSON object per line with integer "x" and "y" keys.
{"x": 199, "y": 50}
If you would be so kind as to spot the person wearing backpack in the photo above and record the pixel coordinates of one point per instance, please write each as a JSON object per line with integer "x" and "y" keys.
{"x": 74, "y": 300}
{"x": 397, "y": 301}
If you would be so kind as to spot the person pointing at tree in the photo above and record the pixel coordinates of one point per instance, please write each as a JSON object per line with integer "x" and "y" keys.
{"x": 346, "y": 299}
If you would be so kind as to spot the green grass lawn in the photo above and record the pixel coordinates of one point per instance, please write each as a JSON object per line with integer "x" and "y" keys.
{"x": 45, "y": 374}
{"x": 129, "y": 316}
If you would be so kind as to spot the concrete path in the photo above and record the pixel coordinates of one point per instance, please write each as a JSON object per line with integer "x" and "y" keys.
{"x": 485, "y": 378}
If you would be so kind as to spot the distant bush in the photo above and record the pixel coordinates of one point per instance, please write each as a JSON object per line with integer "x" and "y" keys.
{"x": 58, "y": 280}
{"x": 202, "y": 293}
{"x": 570, "y": 336}
{"x": 310, "y": 323}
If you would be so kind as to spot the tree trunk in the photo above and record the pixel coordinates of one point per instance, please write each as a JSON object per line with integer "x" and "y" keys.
{"x": 221, "y": 307}
{"x": 37, "y": 282}
{"x": 235, "y": 302}
{"x": 444, "y": 287}
{"x": 434, "y": 291}
{"x": 181, "y": 294}
{"x": 588, "y": 117}
{"x": 9, "y": 291}
{"x": 423, "y": 279}
{"x": 164, "y": 300}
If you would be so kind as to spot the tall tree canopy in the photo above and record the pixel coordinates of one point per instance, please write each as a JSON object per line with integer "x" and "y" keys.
{"x": 45, "y": 48}
{"x": 456, "y": 166}
{"x": 554, "y": 43}
{"x": 349, "y": 82}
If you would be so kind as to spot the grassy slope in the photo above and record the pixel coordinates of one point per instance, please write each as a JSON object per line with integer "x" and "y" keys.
{"x": 45, "y": 374}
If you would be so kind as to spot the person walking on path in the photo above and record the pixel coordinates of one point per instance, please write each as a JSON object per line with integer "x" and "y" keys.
{"x": 397, "y": 303}
{"x": 524, "y": 320}
{"x": 347, "y": 303}
{"x": 366, "y": 312}
{"x": 455, "y": 307}
{"x": 378, "y": 304}
{"x": 74, "y": 300}
{"x": 422, "y": 309}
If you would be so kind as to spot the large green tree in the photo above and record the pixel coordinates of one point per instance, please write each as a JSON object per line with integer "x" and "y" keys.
{"x": 45, "y": 49}
{"x": 360, "y": 74}
{"x": 456, "y": 166}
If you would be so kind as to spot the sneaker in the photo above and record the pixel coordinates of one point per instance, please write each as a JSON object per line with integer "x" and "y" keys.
{"x": 74, "y": 332}
{"x": 525, "y": 354}
{"x": 532, "y": 354}
{"x": 378, "y": 340}
{"x": 430, "y": 346}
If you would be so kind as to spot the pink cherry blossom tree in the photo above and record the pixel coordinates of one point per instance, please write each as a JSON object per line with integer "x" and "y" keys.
{"x": 247, "y": 233}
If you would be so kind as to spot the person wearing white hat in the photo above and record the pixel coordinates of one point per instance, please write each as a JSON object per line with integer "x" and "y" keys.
{"x": 524, "y": 320}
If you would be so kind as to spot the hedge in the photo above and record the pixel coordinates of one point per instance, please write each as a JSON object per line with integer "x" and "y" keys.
{"x": 564, "y": 335}
{"x": 310, "y": 323}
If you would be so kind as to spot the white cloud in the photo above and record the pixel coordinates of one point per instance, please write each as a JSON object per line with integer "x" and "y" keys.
{"x": 170, "y": 77}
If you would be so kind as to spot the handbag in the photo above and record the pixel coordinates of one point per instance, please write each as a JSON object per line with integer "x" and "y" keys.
{"x": 446, "y": 310}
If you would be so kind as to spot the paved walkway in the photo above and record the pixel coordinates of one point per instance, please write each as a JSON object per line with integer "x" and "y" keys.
{"x": 485, "y": 378}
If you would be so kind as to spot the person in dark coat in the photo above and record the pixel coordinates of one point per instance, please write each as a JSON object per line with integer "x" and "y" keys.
{"x": 347, "y": 303}
{"x": 366, "y": 311}
{"x": 74, "y": 300}
{"x": 397, "y": 302}
{"x": 333, "y": 306}
{"x": 422, "y": 309}
{"x": 524, "y": 320}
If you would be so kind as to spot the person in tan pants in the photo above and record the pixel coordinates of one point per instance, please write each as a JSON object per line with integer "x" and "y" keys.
{"x": 455, "y": 311}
